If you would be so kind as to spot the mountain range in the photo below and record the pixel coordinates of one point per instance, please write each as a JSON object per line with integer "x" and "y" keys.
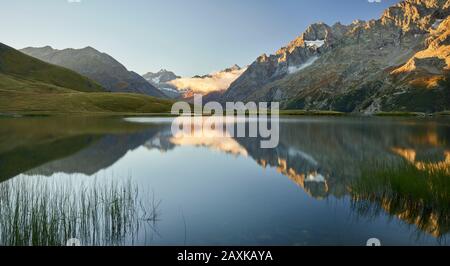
{"x": 399, "y": 62}
{"x": 18, "y": 71}
{"x": 100, "y": 67}
{"x": 29, "y": 85}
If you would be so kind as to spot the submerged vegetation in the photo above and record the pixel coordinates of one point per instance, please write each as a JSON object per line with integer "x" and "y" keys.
{"x": 39, "y": 213}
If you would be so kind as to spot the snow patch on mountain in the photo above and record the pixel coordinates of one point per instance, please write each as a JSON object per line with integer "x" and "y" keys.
{"x": 155, "y": 80}
{"x": 309, "y": 62}
{"x": 316, "y": 43}
{"x": 437, "y": 23}
{"x": 315, "y": 177}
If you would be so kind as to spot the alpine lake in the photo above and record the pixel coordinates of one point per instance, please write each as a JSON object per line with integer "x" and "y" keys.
{"x": 130, "y": 181}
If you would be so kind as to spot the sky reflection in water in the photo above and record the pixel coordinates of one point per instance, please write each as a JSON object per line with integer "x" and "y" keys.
{"x": 331, "y": 181}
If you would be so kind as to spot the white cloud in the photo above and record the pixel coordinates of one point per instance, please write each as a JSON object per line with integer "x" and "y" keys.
{"x": 73, "y": 1}
{"x": 374, "y": 1}
{"x": 216, "y": 82}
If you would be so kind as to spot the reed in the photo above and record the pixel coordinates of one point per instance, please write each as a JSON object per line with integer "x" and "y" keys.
{"x": 419, "y": 197}
{"x": 42, "y": 213}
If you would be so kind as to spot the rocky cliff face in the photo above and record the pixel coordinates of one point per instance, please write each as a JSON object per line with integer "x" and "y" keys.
{"x": 398, "y": 62}
{"x": 317, "y": 39}
{"x": 98, "y": 66}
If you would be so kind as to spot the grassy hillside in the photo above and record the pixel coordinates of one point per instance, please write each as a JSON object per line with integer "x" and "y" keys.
{"x": 78, "y": 102}
{"x": 18, "y": 65}
{"x": 28, "y": 85}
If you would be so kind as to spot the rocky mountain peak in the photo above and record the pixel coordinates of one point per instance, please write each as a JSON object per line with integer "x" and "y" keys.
{"x": 163, "y": 70}
{"x": 45, "y": 50}
{"x": 262, "y": 58}
{"x": 89, "y": 49}
{"x": 234, "y": 67}
{"x": 317, "y": 31}
{"x": 339, "y": 30}
{"x": 160, "y": 77}
{"x": 380, "y": 64}
{"x": 415, "y": 16}
{"x": 358, "y": 22}
{"x": 315, "y": 36}
{"x": 429, "y": 3}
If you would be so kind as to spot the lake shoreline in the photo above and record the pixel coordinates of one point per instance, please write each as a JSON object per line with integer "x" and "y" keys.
{"x": 284, "y": 113}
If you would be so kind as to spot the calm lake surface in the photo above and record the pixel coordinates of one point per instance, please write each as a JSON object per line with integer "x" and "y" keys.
{"x": 331, "y": 181}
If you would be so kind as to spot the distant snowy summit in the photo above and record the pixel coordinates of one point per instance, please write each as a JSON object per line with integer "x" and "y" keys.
{"x": 185, "y": 87}
{"x": 161, "y": 76}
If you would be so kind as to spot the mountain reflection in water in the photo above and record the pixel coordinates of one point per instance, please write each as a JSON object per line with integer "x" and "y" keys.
{"x": 399, "y": 167}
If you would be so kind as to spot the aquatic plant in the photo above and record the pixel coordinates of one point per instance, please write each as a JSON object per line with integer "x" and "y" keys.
{"x": 418, "y": 196}
{"x": 36, "y": 212}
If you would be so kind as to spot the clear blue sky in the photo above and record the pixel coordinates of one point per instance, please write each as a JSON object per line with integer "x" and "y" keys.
{"x": 187, "y": 36}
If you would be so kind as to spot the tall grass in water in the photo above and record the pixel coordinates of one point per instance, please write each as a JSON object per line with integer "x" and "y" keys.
{"x": 420, "y": 197}
{"x": 39, "y": 213}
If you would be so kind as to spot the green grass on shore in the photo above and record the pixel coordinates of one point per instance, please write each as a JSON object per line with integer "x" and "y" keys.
{"x": 78, "y": 102}
{"x": 310, "y": 112}
{"x": 336, "y": 113}
{"x": 400, "y": 114}
{"x": 444, "y": 113}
